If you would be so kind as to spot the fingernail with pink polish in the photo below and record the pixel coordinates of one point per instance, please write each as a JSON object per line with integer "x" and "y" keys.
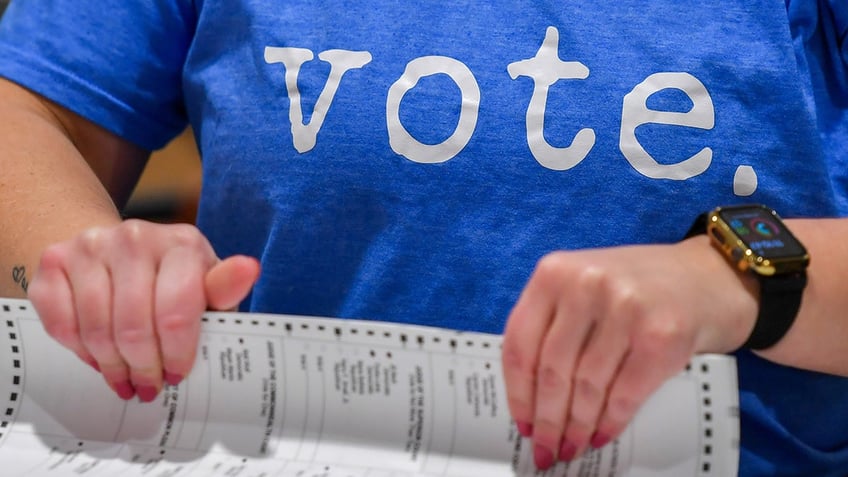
{"x": 567, "y": 451}
{"x": 599, "y": 440}
{"x": 172, "y": 378}
{"x": 125, "y": 390}
{"x": 543, "y": 457}
{"x": 146, "y": 393}
{"x": 525, "y": 429}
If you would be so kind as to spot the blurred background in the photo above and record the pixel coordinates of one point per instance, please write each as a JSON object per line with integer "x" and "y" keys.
{"x": 169, "y": 188}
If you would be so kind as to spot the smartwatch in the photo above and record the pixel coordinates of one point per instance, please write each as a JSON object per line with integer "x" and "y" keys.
{"x": 755, "y": 240}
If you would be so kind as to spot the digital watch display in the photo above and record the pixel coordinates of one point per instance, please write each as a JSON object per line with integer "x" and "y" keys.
{"x": 755, "y": 237}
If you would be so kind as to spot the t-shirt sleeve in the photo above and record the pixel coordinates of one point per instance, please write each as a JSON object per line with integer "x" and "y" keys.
{"x": 116, "y": 62}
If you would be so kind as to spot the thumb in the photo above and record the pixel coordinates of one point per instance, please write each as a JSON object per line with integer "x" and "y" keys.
{"x": 229, "y": 281}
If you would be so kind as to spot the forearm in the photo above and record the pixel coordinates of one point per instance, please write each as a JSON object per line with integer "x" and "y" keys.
{"x": 817, "y": 340}
{"x": 48, "y": 192}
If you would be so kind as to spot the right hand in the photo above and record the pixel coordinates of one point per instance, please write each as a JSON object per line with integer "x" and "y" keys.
{"x": 128, "y": 299}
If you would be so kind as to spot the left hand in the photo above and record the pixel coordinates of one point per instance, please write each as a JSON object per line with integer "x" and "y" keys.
{"x": 596, "y": 332}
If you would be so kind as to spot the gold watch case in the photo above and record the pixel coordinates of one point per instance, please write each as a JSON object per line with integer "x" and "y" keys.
{"x": 746, "y": 258}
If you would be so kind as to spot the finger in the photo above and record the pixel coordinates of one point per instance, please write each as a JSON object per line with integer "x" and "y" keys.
{"x": 178, "y": 305}
{"x": 50, "y": 294}
{"x": 525, "y": 329}
{"x": 229, "y": 281}
{"x": 133, "y": 278}
{"x": 92, "y": 291}
{"x": 658, "y": 352}
{"x": 568, "y": 332}
{"x": 593, "y": 375}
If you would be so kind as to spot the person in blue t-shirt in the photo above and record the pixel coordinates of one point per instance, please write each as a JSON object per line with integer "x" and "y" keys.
{"x": 528, "y": 168}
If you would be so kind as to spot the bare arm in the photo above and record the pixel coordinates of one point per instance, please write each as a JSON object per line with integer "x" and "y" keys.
{"x": 58, "y": 172}
{"x": 817, "y": 339}
{"x": 125, "y": 296}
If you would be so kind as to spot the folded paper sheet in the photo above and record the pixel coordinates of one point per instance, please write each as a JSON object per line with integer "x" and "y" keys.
{"x": 274, "y": 395}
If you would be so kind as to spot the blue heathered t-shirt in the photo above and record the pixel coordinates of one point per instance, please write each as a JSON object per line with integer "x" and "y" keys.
{"x": 411, "y": 161}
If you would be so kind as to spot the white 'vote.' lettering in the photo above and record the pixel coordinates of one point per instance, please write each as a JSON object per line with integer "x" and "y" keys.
{"x": 546, "y": 69}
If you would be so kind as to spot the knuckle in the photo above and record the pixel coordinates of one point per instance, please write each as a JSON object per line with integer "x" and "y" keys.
{"x": 577, "y": 429}
{"x": 90, "y": 299}
{"x": 132, "y": 334}
{"x": 173, "y": 323}
{"x": 513, "y": 358}
{"x": 520, "y": 408}
{"x": 621, "y": 409}
{"x": 186, "y": 235}
{"x": 135, "y": 225}
{"x": 550, "y": 377}
{"x": 54, "y": 256}
{"x": 547, "y": 430}
{"x": 98, "y": 339}
{"x": 91, "y": 241}
{"x": 587, "y": 389}
{"x": 625, "y": 300}
{"x": 658, "y": 336}
{"x": 594, "y": 278}
{"x": 129, "y": 236}
{"x": 551, "y": 268}
{"x": 562, "y": 271}
{"x": 591, "y": 280}
{"x": 578, "y": 432}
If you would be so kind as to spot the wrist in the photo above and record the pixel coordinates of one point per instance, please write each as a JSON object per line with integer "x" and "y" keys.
{"x": 729, "y": 298}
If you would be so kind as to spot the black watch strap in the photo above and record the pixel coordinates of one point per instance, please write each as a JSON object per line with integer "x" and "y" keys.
{"x": 780, "y": 300}
{"x": 699, "y": 226}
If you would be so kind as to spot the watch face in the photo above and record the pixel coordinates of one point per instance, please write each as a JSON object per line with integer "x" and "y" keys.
{"x": 762, "y": 232}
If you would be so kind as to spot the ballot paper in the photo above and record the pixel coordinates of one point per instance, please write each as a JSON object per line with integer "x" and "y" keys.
{"x": 278, "y": 395}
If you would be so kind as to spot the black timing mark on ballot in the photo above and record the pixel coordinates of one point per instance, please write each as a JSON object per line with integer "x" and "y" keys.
{"x": 7, "y": 416}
